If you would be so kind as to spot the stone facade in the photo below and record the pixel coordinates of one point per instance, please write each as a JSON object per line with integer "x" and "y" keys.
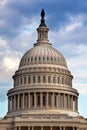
{"x": 43, "y": 97}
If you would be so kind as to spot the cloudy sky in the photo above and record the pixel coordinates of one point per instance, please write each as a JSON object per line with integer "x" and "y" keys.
{"x": 67, "y": 21}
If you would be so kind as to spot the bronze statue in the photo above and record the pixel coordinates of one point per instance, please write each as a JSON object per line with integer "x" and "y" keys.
{"x": 42, "y": 14}
{"x": 42, "y": 18}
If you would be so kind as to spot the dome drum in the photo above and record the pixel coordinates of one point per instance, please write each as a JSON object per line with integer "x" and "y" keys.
{"x": 34, "y": 99}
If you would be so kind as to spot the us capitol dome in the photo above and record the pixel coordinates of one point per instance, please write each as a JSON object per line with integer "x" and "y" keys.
{"x": 43, "y": 83}
{"x": 42, "y": 97}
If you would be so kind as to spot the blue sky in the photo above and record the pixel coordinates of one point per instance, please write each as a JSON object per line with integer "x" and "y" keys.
{"x": 67, "y": 21}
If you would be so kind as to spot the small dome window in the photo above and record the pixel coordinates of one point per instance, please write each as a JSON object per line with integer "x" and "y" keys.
{"x": 47, "y": 58}
{"x": 39, "y": 58}
{"x": 31, "y": 58}
{"x": 25, "y": 59}
{"x": 51, "y": 58}
{"x": 43, "y": 58}
{"x": 28, "y": 59}
{"x": 35, "y": 58}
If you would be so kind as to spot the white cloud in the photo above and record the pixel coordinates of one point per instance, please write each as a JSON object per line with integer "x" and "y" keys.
{"x": 3, "y": 2}
{"x": 10, "y": 63}
{"x": 7, "y": 68}
{"x": 82, "y": 88}
{"x": 2, "y": 43}
{"x": 73, "y": 26}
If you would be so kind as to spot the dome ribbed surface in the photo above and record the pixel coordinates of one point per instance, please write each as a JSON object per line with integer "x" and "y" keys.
{"x": 43, "y": 54}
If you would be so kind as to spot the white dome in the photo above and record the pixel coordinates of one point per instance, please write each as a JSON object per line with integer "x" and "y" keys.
{"x": 42, "y": 54}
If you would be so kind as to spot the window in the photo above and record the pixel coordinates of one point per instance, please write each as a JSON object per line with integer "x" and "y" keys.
{"x": 31, "y": 58}
{"x": 34, "y": 79}
{"x": 38, "y": 79}
{"x": 54, "y": 80}
{"x": 18, "y": 81}
{"x": 43, "y": 58}
{"x": 44, "y": 100}
{"x": 26, "y": 100}
{"x": 62, "y": 101}
{"x": 58, "y": 80}
{"x": 49, "y": 99}
{"x": 55, "y": 100}
{"x": 51, "y": 58}
{"x": 29, "y": 79}
{"x": 44, "y": 79}
{"x": 28, "y": 59}
{"x": 38, "y": 100}
{"x": 21, "y": 100}
{"x": 39, "y": 58}
{"x": 48, "y": 79}
{"x": 24, "y": 80}
{"x": 21, "y": 81}
{"x": 47, "y": 58}
{"x": 35, "y": 58}
{"x": 32, "y": 99}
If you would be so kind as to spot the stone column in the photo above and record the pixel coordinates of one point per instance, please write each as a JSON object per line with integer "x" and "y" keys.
{"x": 28, "y": 100}
{"x": 11, "y": 103}
{"x": 52, "y": 99}
{"x": 15, "y": 128}
{"x": 59, "y": 100}
{"x": 23, "y": 100}
{"x": 19, "y": 128}
{"x": 50, "y": 127}
{"x": 8, "y": 104}
{"x": 73, "y": 128}
{"x": 35, "y": 100}
{"x": 32, "y": 127}
{"x": 41, "y": 127}
{"x": 64, "y": 101}
{"x": 68, "y": 102}
{"x": 18, "y": 101}
{"x": 41, "y": 100}
{"x": 71, "y": 102}
{"x": 77, "y": 105}
{"x": 47, "y": 99}
{"x": 60, "y": 128}
{"x": 14, "y": 102}
{"x": 28, "y": 127}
